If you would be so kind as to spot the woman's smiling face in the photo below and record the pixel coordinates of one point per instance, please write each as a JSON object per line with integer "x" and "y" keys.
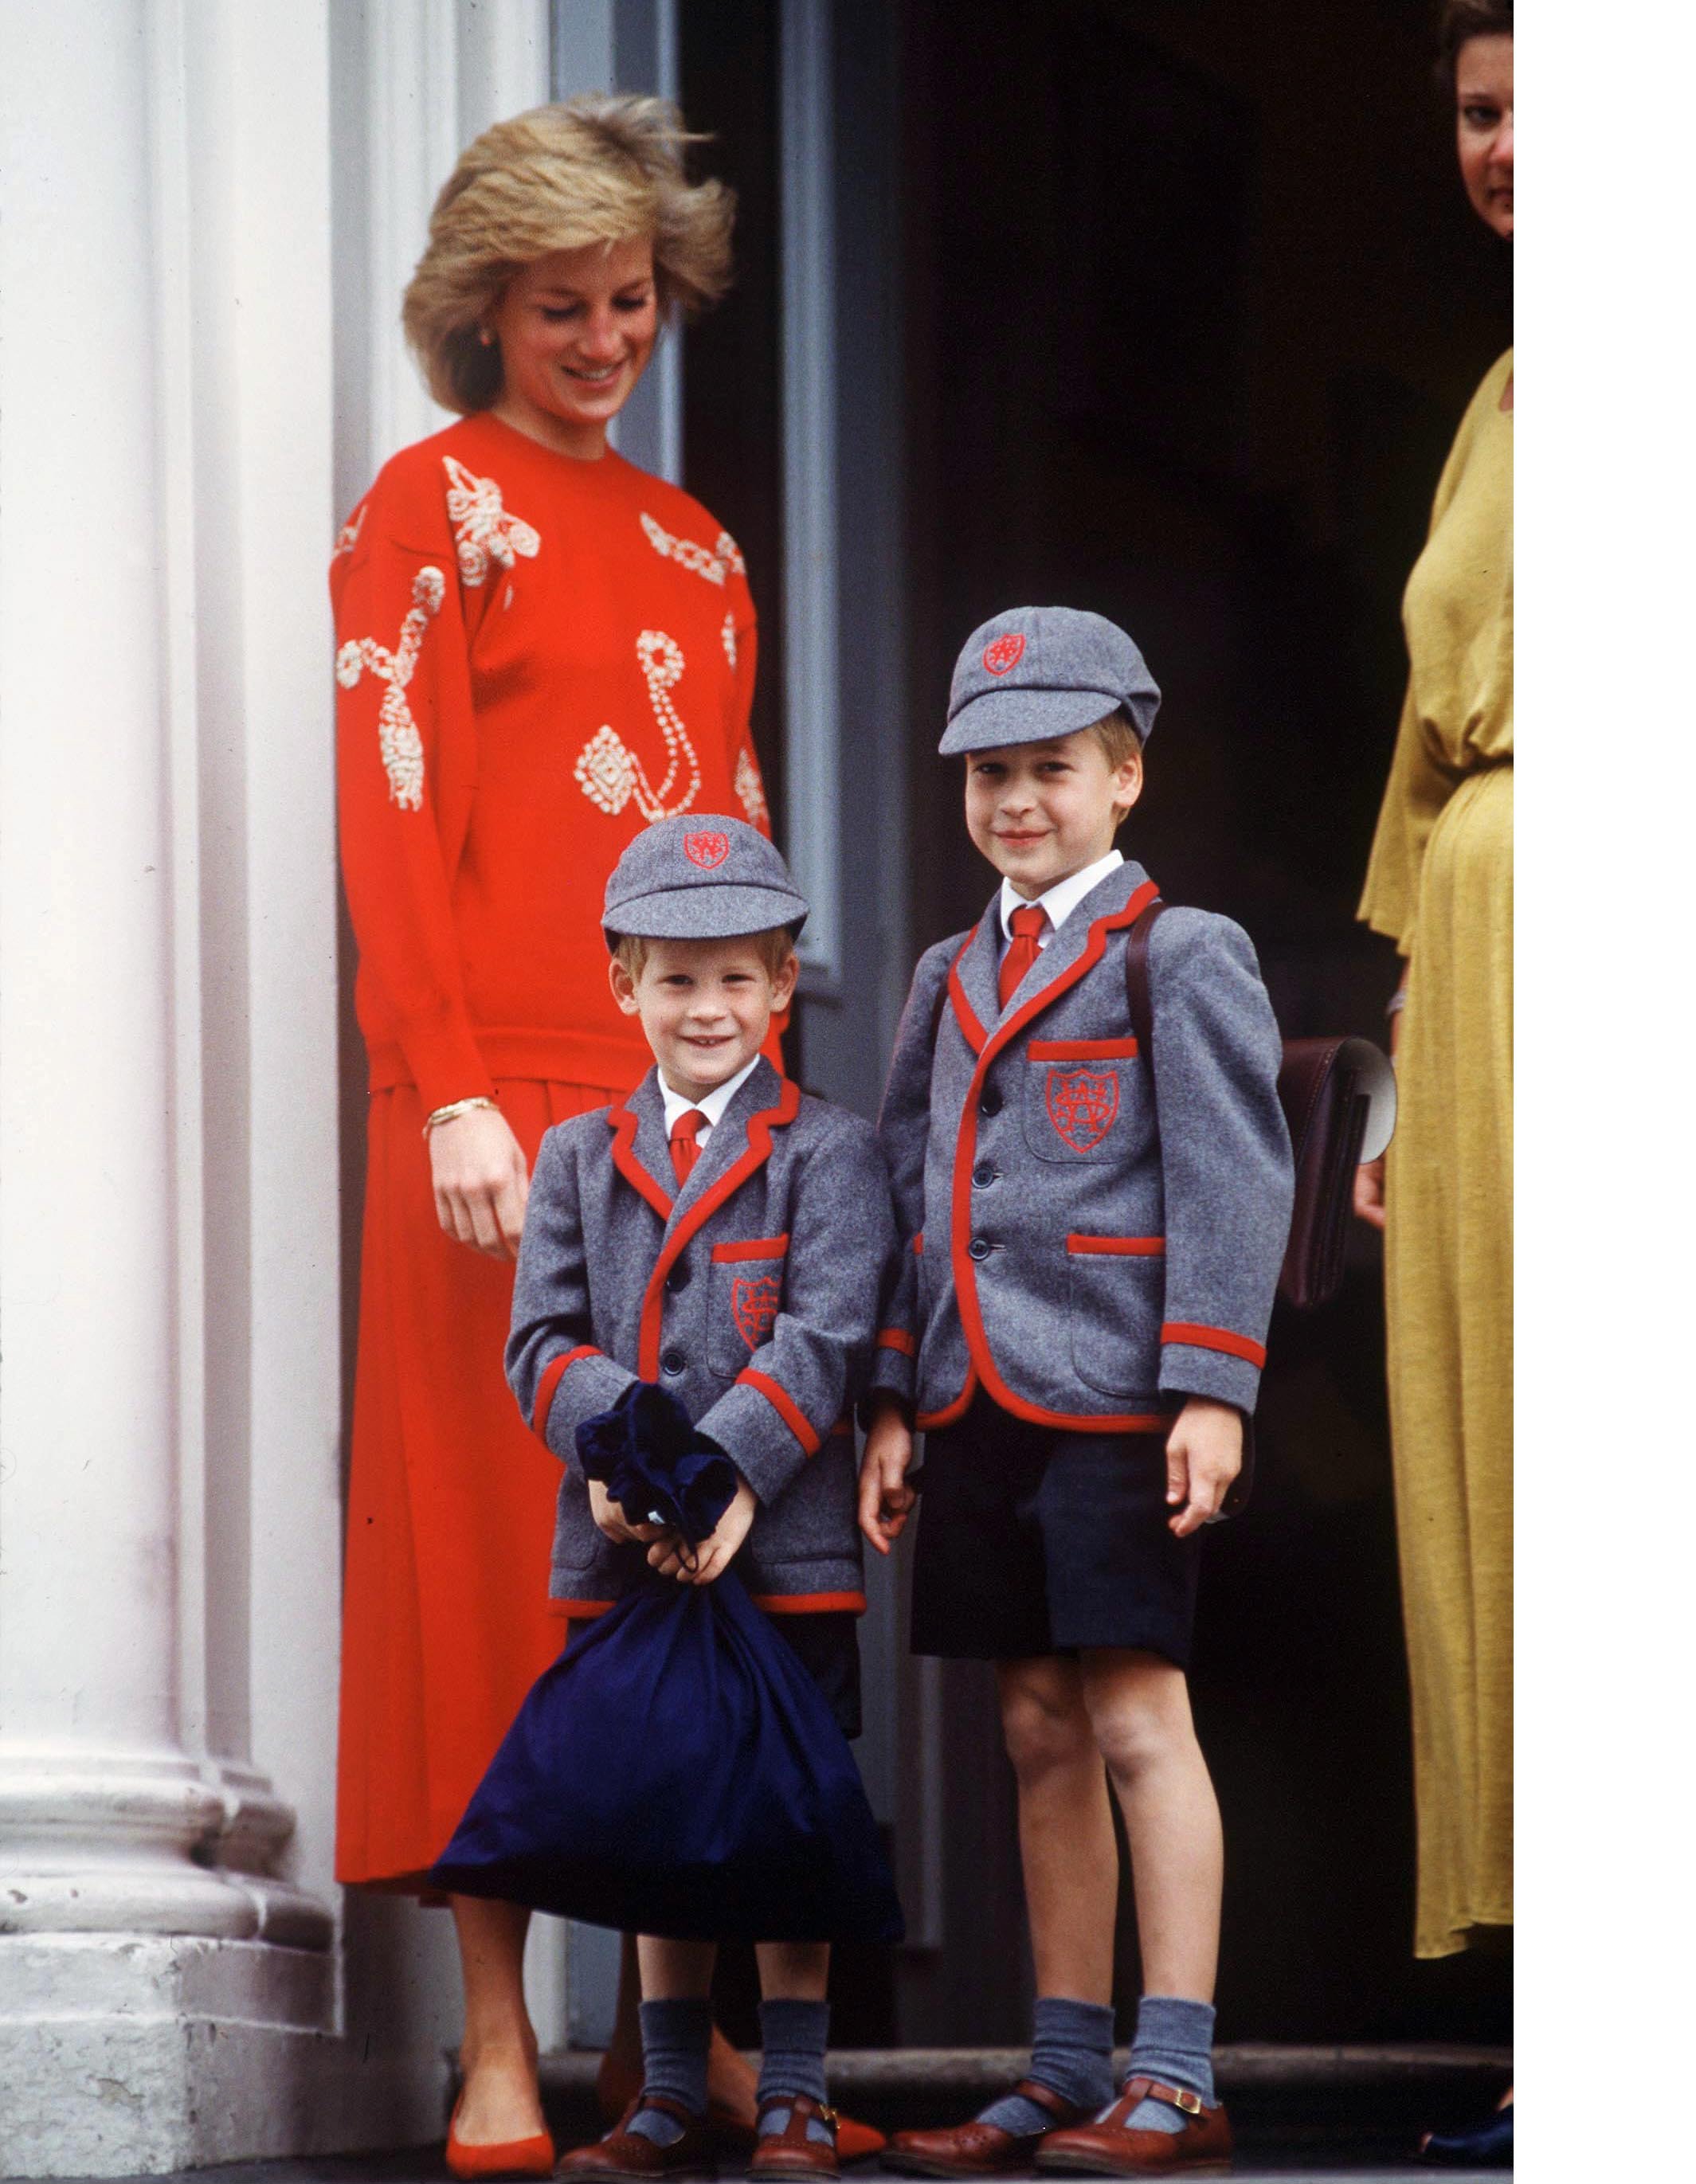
{"x": 576, "y": 331}
{"x": 1484, "y": 128}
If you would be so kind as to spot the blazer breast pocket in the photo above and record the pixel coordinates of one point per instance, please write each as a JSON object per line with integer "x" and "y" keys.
{"x": 1116, "y": 1296}
{"x": 745, "y": 1294}
{"x": 1078, "y": 1094}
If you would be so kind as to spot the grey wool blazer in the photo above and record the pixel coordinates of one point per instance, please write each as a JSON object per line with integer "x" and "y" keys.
{"x": 1084, "y": 1267}
{"x": 751, "y": 1294}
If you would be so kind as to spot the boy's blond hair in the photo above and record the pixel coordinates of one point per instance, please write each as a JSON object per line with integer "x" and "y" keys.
{"x": 773, "y": 948}
{"x": 1116, "y": 734}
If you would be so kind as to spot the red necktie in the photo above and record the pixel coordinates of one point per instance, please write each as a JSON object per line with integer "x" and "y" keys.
{"x": 1022, "y": 950}
{"x": 685, "y": 1151}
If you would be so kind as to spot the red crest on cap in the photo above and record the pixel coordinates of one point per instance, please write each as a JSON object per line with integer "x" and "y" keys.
{"x": 1001, "y": 657}
{"x": 706, "y": 849}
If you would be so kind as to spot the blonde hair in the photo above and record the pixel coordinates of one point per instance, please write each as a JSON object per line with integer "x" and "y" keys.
{"x": 603, "y": 168}
{"x": 1116, "y": 734}
{"x": 773, "y": 948}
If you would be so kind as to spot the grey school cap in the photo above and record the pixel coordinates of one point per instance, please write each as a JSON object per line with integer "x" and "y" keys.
{"x": 701, "y": 877}
{"x": 1037, "y": 672}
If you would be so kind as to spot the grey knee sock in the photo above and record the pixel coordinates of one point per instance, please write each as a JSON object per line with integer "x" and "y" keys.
{"x": 1173, "y": 2044}
{"x": 793, "y": 2038}
{"x": 1072, "y": 2054}
{"x": 675, "y": 2038}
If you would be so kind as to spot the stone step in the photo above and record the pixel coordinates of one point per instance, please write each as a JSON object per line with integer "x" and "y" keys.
{"x": 1271, "y": 2087}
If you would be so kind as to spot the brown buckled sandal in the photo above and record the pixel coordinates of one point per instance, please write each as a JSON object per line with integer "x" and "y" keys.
{"x": 792, "y": 2151}
{"x": 1108, "y": 2149}
{"x": 624, "y": 2155}
{"x": 982, "y": 2149}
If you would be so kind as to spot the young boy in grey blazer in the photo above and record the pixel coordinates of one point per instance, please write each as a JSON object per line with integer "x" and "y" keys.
{"x": 1091, "y": 1253}
{"x": 723, "y": 1235}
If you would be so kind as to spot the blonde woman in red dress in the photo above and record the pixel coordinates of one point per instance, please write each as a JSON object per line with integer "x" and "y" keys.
{"x": 541, "y": 651}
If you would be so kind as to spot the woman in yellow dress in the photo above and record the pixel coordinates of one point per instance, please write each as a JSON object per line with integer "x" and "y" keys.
{"x": 1440, "y": 884}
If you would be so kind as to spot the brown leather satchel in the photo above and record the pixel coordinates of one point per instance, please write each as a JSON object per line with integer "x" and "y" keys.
{"x": 1327, "y": 1089}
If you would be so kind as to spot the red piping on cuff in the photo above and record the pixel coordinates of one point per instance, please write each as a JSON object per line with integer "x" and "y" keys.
{"x": 1116, "y": 1247}
{"x": 785, "y": 1405}
{"x": 548, "y": 1386}
{"x": 896, "y": 1338}
{"x": 1213, "y": 1338}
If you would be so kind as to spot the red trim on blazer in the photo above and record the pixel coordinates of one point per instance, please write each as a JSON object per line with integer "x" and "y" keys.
{"x": 1082, "y": 1050}
{"x": 1213, "y": 1338}
{"x": 897, "y": 1338}
{"x": 784, "y": 1404}
{"x": 964, "y": 1010}
{"x": 810, "y": 1603}
{"x": 965, "y": 1269}
{"x": 1118, "y": 1247}
{"x": 773, "y": 1604}
{"x": 624, "y": 1123}
{"x": 951, "y": 1413}
{"x": 757, "y": 1247}
{"x": 547, "y": 1387}
{"x": 756, "y": 1152}
{"x": 918, "y": 1244}
{"x": 844, "y": 1425}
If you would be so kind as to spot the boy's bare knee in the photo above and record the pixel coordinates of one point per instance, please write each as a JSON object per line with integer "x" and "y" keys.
{"x": 1139, "y": 1712}
{"x": 1044, "y": 1721}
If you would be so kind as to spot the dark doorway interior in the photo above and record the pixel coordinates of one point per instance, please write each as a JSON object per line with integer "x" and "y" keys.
{"x": 1194, "y": 304}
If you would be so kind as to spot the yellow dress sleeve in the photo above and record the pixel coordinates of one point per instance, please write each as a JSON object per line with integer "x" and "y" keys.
{"x": 1422, "y": 777}
{"x": 1419, "y": 786}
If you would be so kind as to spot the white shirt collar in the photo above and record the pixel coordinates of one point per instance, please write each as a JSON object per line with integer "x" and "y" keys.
{"x": 1060, "y": 900}
{"x": 712, "y": 1106}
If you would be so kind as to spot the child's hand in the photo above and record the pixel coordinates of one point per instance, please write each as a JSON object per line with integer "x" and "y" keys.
{"x": 713, "y": 1558}
{"x": 1203, "y": 1454}
{"x": 610, "y": 1516}
{"x": 885, "y": 1498}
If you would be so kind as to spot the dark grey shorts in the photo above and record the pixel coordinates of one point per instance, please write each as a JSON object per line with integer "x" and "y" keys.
{"x": 828, "y": 1643}
{"x": 1032, "y": 1541}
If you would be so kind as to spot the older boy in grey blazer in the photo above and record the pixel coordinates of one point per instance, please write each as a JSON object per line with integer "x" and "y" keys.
{"x": 1091, "y": 1253}
{"x": 723, "y": 1235}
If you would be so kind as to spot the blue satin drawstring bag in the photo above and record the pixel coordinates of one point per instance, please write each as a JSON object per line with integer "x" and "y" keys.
{"x": 677, "y": 1771}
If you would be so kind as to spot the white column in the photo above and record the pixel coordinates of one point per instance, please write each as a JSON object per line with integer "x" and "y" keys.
{"x": 169, "y": 1411}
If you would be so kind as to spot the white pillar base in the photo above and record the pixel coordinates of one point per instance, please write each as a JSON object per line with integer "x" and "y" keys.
{"x": 138, "y": 2053}
{"x": 135, "y": 2054}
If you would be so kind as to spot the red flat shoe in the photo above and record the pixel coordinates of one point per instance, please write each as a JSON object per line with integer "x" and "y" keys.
{"x": 511, "y": 2157}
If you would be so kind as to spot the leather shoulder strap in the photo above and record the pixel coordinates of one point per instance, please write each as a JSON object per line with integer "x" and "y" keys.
{"x": 1136, "y": 986}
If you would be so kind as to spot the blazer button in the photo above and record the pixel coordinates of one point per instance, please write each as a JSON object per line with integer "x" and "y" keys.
{"x": 983, "y": 1175}
{"x": 990, "y": 1104}
{"x": 673, "y": 1362}
{"x": 979, "y": 1247}
{"x": 678, "y": 1277}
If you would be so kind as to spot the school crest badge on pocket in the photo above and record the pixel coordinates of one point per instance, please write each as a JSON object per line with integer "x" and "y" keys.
{"x": 754, "y": 1302}
{"x": 1083, "y": 1106}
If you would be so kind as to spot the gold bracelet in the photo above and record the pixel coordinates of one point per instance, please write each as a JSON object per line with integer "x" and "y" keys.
{"x": 453, "y": 1110}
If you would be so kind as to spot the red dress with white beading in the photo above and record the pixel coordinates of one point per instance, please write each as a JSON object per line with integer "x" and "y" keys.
{"x": 537, "y": 658}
